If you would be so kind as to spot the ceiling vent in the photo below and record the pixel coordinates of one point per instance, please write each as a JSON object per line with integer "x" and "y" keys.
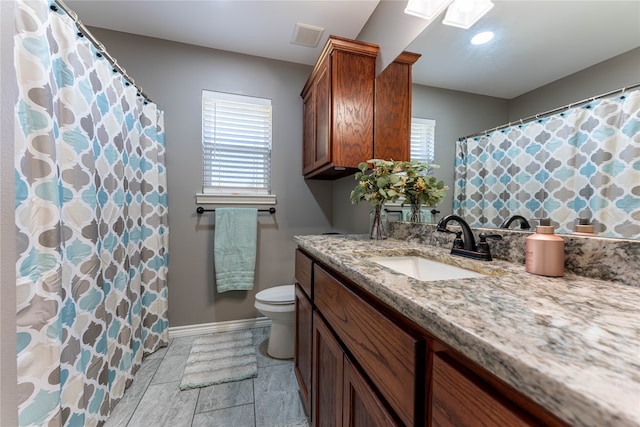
{"x": 306, "y": 35}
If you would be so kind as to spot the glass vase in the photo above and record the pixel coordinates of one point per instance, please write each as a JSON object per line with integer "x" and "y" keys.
{"x": 378, "y": 223}
{"x": 415, "y": 214}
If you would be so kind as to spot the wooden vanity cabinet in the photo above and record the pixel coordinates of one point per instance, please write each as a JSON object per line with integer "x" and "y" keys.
{"x": 338, "y": 111}
{"x": 368, "y": 365}
{"x": 393, "y": 109}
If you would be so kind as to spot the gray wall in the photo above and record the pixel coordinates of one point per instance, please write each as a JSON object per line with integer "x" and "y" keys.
{"x": 8, "y": 379}
{"x": 173, "y": 76}
{"x": 618, "y": 72}
{"x": 456, "y": 114}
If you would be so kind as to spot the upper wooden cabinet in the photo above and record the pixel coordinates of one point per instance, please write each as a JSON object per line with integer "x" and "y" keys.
{"x": 338, "y": 114}
{"x": 351, "y": 116}
{"x": 393, "y": 109}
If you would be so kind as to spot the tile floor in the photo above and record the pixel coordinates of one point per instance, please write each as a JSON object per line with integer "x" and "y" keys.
{"x": 154, "y": 399}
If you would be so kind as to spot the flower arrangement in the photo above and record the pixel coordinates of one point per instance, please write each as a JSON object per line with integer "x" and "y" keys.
{"x": 419, "y": 188}
{"x": 389, "y": 180}
{"x": 380, "y": 186}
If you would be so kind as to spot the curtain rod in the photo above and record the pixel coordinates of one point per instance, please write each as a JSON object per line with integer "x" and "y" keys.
{"x": 83, "y": 29}
{"x": 550, "y": 112}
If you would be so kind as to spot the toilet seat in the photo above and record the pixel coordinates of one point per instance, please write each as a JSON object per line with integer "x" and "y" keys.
{"x": 277, "y": 295}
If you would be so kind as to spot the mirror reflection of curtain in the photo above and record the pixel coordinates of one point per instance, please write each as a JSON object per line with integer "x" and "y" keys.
{"x": 91, "y": 217}
{"x": 583, "y": 162}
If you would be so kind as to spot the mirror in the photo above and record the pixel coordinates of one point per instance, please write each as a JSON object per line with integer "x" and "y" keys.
{"x": 511, "y": 69}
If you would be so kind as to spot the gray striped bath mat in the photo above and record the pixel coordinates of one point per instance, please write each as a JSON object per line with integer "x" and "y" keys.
{"x": 220, "y": 358}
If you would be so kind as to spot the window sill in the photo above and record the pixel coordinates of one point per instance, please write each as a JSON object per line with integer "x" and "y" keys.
{"x": 235, "y": 199}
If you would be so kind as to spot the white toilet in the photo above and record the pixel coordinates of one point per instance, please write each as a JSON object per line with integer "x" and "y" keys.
{"x": 277, "y": 304}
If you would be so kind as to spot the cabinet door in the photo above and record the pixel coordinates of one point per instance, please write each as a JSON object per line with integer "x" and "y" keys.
{"x": 352, "y": 108}
{"x": 322, "y": 89}
{"x": 459, "y": 399}
{"x": 362, "y": 408}
{"x": 327, "y": 376}
{"x": 309, "y": 133}
{"x": 393, "y": 113}
{"x": 387, "y": 354}
{"x": 303, "y": 346}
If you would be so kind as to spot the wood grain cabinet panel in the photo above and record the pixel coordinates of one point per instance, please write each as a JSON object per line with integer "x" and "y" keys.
{"x": 384, "y": 351}
{"x": 309, "y": 132}
{"x": 328, "y": 366}
{"x": 303, "y": 272}
{"x": 362, "y": 408}
{"x": 322, "y": 87}
{"x": 393, "y": 109}
{"x": 458, "y": 399}
{"x": 303, "y": 346}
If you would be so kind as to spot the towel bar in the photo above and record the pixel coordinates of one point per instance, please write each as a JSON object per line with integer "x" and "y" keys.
{"x": 200, "y": 210}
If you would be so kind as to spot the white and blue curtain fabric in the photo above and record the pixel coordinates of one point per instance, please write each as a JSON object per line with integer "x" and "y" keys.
{"x": 91, "y": 218}
{"x": 580, "y": 163}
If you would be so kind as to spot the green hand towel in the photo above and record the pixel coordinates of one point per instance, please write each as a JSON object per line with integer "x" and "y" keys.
{"x": 234, "y": 248}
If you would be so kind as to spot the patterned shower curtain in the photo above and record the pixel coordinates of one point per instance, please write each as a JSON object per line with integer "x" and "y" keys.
{"x": 581, "y": 163}
{"x": 91, "y": 217}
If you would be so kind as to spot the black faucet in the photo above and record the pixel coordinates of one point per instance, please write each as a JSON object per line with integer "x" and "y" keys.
{"x": 467, "y": 247}
{"x": 524, "y": 224}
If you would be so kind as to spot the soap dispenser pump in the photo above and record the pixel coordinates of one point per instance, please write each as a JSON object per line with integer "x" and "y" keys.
{"x": 584, "y": 228}
{"x": 545, "y": 251}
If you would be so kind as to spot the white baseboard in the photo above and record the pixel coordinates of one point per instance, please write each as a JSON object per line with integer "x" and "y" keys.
{"x": 208, "y": 328}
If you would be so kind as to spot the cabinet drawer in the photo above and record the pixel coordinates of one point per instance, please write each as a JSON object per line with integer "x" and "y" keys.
{"x": 304, "y": 269}
{"x": 387, "y": 354}
{"x": 460, "y": 400}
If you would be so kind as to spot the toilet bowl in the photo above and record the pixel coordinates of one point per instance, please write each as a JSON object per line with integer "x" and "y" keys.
{"x": 277, "y": 304}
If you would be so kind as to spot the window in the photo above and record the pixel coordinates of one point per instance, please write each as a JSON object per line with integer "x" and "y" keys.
{"x": 423, "y": 133}
{"x": 236, "y": 144}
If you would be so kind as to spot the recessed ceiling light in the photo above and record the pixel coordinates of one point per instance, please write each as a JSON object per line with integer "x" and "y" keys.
{"x": 482, "y": 38}
{"x": 465, "y": 13}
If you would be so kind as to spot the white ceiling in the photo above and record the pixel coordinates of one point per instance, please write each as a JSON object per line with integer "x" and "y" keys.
{"x": 536, "y": 42}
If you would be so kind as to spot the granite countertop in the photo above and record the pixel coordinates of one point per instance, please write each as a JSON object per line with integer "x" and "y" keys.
{"x": 572, "y": 344}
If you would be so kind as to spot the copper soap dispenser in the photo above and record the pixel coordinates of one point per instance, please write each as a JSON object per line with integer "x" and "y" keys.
{"x": 545, "y": 251}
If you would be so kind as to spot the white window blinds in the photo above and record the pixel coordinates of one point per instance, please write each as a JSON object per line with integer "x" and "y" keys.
{"x": 236, "y": 144}
{"x": 423, "y": 133}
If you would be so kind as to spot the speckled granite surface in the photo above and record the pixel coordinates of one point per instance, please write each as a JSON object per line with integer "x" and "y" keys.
{"x": 571, "y": 344}
{"x": 616, "y": 260}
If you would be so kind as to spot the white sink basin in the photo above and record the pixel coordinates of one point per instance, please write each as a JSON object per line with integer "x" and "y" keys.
{"x": 424, "y": 269}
